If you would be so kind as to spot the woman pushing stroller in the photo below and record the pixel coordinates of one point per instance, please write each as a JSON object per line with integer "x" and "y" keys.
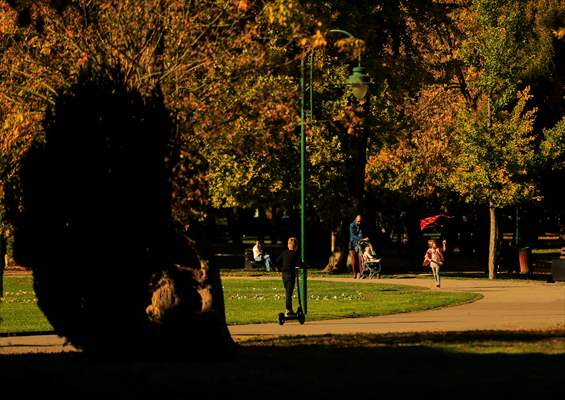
{"x": 356, "y": 235}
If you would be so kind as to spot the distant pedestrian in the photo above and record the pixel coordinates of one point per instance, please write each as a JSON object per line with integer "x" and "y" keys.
{"x": 356, "y": 234}
{"x": 434, "y": 259}
{"x": 288, "y": 261}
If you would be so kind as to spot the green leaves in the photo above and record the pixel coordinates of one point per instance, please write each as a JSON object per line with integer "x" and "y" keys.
{"x": 229, "y": 72}
{"x": 495, "y": 51}
{"x": 495, "y": 158}
{"x": 552, "y": 147}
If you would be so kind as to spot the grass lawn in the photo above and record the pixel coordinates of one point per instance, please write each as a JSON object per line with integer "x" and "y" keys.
{"x": 18, "y": 309}
{"x": 258, "y": 301}
{"x": 440, "y": 364}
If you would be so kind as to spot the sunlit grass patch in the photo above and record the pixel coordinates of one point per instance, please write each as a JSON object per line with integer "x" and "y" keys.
{"x": 18, "y": 307}
{"x": 259, "y": 301}
{"x": 256, "y": 301}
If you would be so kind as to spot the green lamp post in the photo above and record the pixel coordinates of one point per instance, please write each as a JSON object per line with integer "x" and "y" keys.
{"x": 359, "y": 81}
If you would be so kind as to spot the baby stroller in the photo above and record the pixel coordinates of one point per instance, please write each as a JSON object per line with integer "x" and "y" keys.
{"x": 369, "y": 261}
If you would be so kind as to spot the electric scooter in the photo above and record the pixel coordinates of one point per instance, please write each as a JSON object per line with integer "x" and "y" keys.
{"x": 299, "y": 313}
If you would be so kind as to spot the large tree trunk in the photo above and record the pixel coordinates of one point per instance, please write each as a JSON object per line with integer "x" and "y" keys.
{"x": 355, "y": 145}
{"x": 110, "y": 273}
{"x": 337, "y": 262}
{"x": 338, "y": 259}
{"x": 492, "y": 243}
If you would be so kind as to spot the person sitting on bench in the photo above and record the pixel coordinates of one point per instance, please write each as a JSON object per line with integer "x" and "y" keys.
{"x": 260, "y": 256}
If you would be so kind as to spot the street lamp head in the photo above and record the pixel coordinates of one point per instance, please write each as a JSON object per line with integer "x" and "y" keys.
{"x": 359, "y": 81}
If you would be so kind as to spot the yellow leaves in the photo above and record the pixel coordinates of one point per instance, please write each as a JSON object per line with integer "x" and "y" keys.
{"x": 106, "y": 5}
{"x": 70, "y": 33}
{"x": 83, "y": 59}
{"x": 18, "y": 130}
{"x": 352, "y": 46}
{"x": 45, "y": 50}
{"x": 280, "y": 11}
{"x": 242, "y": 5}
{"x": 522, "y": 120}
{"x": 314, "y": 41}
{"x": 351, "y": 119}
{"x": 318, "y": 40}
{"x": 11, "y": 128}
{"x": 276, "y": 186}
{"x": 560, "y": 33}
{"x": 19, "y": 118}
{"x": 7, "y": 19}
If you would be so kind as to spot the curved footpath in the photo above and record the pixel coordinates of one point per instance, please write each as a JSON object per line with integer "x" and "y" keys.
{"x": 506, "y": 305}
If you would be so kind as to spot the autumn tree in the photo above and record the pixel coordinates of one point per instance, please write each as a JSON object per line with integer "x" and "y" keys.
{"x": 225, "y": 72}
{"x": 107, "y": 65}
{"x": 403, "y": 56}
{"x": 483, "y": 58}
{"x": 495, "y": 139}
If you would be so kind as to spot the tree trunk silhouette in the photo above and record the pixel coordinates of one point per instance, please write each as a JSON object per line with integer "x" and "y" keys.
{"x": 338, "y": 259}
{"x": 111, "y": 273}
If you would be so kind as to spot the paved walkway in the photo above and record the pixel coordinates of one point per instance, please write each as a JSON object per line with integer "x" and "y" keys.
{"x": 506, "y": 305}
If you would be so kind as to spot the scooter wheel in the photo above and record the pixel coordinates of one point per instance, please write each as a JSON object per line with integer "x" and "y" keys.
{"x": 301, "y": 317}
{"x": 281, "y": 318}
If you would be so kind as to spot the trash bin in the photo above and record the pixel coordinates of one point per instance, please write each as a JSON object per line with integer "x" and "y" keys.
{"x": 525, "y": 257}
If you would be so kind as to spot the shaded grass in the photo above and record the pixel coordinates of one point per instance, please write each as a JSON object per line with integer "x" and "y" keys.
{"x": 473, "y": 342}
{"x": 325, "y": 366}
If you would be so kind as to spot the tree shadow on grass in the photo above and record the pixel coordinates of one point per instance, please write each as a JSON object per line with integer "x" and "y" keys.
{"x": 319, "y": 366}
